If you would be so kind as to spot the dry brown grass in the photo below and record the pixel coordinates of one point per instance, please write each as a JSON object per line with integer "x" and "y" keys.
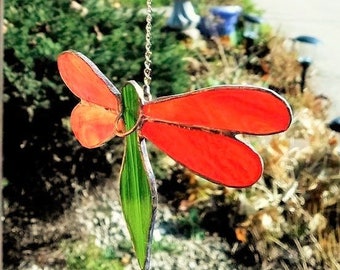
{"x": 295, "y": 208}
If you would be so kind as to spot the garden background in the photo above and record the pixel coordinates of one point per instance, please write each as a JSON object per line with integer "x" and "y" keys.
{"x": 61, "y": 209}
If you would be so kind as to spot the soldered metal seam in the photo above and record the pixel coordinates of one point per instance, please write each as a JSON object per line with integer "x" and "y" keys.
{"x": 190, "y": 127}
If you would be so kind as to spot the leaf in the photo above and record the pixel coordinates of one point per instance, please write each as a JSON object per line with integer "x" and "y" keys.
{"x": 137, "y": 182}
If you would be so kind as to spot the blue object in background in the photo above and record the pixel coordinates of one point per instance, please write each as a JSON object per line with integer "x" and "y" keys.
{"x": 228, "y": 17}
{"x": 221, "y": 22}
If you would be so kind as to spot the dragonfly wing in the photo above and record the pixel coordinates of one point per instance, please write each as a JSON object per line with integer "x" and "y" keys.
{"x": 86, "y": 81}
{"x": 94, "y": 120}
{"x": 238, "y": 109}
{"x": 216, "y": 157}
{"x": 93, "y": 125}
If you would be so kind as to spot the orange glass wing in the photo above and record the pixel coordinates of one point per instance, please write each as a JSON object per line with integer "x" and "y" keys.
{"x": 216, "y": 157}
{"x": 198, "y": 129}
{"x": 92, "y": 125}
{"x": 237, "y": 109}
{"x": 94, "y": 119}
{"x": 86, "y": 81}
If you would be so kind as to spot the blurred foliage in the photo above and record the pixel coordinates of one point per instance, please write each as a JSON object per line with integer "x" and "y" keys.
{"x": 89, "y": 256}
{"x": 43, "y": 163}
{"x": 38, "y": 144}
{"x": 142, "y": 3}
{"x": 248, "y": 6}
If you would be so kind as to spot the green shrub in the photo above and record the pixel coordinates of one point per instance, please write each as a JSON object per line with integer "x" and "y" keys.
{"x": 142, "y": 3}
{"x": 80, "y": 256}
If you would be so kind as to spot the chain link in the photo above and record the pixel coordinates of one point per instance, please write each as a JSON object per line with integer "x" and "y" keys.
{"x": 148, "y": 53}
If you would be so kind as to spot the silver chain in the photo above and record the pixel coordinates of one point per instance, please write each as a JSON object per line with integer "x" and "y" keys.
{"x": 148, "y": 53}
